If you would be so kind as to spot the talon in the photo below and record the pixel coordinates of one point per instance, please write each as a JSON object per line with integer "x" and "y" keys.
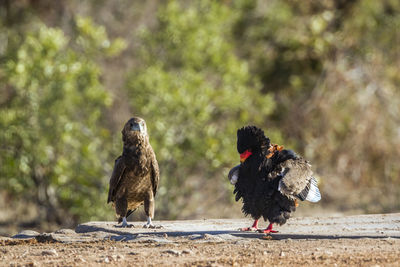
{"x": 149, "y": 226}
{"x": 124, "y": 224}
{"x": 253, "y": 228}
{"x": 268, "y": 230}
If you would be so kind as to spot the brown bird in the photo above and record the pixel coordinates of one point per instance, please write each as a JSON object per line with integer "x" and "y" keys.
{"x": 135, "y": 177}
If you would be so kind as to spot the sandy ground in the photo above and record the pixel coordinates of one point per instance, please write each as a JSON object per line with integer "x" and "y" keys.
{"x": 366, "y": 240}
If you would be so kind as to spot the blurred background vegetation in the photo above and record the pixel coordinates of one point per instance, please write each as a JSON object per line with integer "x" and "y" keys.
{"x": 320, "y": 77}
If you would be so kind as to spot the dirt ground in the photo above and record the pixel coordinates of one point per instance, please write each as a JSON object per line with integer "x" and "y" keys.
{"x": 340, "y": 252}
{"x": 367, "y": 240}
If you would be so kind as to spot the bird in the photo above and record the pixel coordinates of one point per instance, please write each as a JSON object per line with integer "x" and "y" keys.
{"x": 135, "y": 177}
{"x": 270, "y": 179}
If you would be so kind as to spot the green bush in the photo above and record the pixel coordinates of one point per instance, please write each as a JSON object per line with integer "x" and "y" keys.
{"x": 194, "y": 93}
{"x": 55, "y": 148}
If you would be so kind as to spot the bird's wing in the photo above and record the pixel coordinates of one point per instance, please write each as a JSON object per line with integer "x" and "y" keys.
{"x": 297, "y": 175}
{"x": 233, "y": 174}
{"x": 119, "y": 168}
{"x": 155, "y": 172}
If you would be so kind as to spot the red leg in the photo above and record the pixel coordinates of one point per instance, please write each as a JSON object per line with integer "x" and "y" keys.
{"x": 268, "y": 230}
{"x": 254, "y": 227}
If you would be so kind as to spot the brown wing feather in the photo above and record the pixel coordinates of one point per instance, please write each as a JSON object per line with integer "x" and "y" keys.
{"x": 115, "y": 180}
{"x": 297, "y": 175}
{"x": 155, "y": 172}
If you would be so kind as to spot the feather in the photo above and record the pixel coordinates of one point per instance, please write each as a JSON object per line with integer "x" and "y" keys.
{"x": 313, "y": 194}
{"x": 296, "y": 178}
{"x": 233, "y": 175}
{"x": 268, "y": 183}
{"x": 238, "y": 196}
{"x": 135, "y": 177}
{"x": 303, "y": 194}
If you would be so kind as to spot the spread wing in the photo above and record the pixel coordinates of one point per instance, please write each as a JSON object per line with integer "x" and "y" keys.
{"x": 296, "y": 175}
{"x": 119, "y": 168}
{"x": 155, "y": 172}
{"x": 297, "y": 180}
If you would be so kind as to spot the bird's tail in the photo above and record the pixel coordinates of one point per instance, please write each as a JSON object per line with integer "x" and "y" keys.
{"x": 129, "y": 212}
{"x": 311, "y": 192}
{"x": 120, "y": 218}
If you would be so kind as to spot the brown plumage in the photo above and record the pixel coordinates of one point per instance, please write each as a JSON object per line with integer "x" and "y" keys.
{"x": 297, "y": 175}
{"x": 135, "y": 177}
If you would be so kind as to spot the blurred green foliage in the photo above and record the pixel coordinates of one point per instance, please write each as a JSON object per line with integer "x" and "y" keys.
{"x": 318, "y": 76}
{"x": 195, "y": 93}
{"x": 53, "y": 148}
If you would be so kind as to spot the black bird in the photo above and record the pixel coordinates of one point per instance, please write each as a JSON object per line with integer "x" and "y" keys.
{"x": 270, "y": 179}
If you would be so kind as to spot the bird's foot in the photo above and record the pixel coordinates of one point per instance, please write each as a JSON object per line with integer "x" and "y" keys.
{"x": 267, "y": 231}
{"x": 124, "y": 224}
{"x": 152, "y": 226}
{"x": 249, "y": 229}
{"x": 252, "y": 228}
{"x": 149, "y": 225}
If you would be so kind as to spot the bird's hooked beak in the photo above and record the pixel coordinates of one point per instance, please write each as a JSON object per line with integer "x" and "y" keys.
{"x": 135, "y": 126}
{"x": 139, "y": 127}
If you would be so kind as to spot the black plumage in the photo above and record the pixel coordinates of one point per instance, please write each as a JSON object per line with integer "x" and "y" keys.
{"x": 269, "y": 178}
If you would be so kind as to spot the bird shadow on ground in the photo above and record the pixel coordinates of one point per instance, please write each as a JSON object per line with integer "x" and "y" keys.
{"x": 214, "y": 235}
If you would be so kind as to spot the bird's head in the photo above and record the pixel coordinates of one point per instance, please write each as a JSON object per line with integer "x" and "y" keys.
{"x": 135, "y": 129}
{"x": 251, "y": 138}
